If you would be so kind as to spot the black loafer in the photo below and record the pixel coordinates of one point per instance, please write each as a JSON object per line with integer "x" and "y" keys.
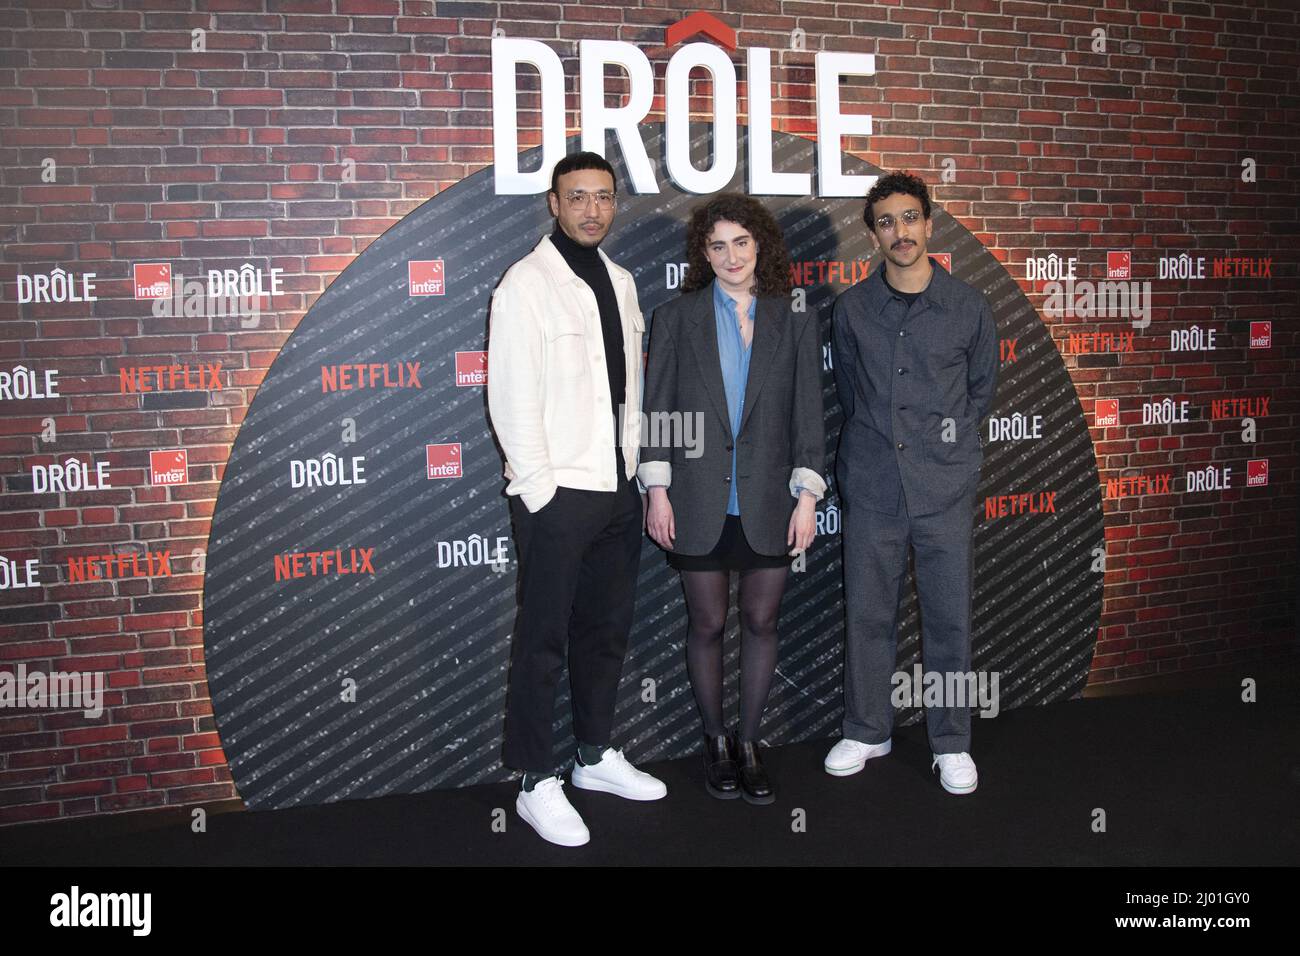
{"x": 720, "y": 768}
{"x": 754, "y": 785}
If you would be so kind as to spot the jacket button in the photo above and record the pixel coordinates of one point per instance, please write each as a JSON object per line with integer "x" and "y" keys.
{"x": 727, "y": 479}
{"x": 902, "y": 371}
{"x": 901, "y": 333}
{"x": 731, "y": 448}
{"x": 901, "y": 446}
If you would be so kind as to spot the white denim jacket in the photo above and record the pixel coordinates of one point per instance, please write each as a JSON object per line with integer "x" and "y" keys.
{"x": 548, "y": 391}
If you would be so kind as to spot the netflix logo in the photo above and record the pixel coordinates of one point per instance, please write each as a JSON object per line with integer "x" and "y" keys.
{"x": 810, "y": 272}
{"x": 1085, "y": 343}
{"x": 1023, "y": 503}
{"x": 345, "y": 378}
{"x": 425, "y": 277}
{"x": 1107, "y": 412}
{"x": 169, "y": 467}
{"x": 1158, "y": 484}
{"x": 1119, "y": 265}
{"x": 152, "y": 280}
{"x": 442, "y": 461}
{"x": 119, "y": 564}
{"x": 1257, "y": 473}
{"x": 1261, "y": 335}
{"x": 1239, "y": 407}
{"x": 309, "y": 564}
{"x": 159, "y": 378}
{"x": 471, "y": 368}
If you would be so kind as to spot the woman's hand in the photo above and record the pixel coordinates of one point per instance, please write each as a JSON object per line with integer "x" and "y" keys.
{"x": 659, "y": 519}
{"x": 803, "y": 524}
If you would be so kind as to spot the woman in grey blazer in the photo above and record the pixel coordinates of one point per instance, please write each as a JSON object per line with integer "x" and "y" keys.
{"x": 733, "y": 460}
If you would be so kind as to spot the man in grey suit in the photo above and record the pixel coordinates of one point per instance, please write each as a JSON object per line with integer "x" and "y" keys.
{"x": 915, "y": 361}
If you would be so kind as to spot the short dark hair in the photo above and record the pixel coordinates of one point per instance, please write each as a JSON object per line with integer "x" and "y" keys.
{"x": 576, "y": 162}
{"x": 900, "y": 182}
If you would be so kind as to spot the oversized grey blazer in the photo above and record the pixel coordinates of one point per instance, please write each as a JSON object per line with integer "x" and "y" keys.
{"x": 782, "y": 439}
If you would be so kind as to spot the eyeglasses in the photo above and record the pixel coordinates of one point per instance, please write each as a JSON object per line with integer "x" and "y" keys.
{"x": 886, "y": 223}
{"x": 579, "y": 197}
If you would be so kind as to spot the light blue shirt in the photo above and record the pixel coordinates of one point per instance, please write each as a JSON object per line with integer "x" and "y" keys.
{"x": 733, "y": 355}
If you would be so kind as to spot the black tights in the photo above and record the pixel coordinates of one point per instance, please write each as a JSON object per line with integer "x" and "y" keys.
{"x": 707, "y": 601}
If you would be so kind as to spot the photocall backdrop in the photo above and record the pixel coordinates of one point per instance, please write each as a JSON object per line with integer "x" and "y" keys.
{"x": 1107, "y": 547}
{"x": 424, "y": 632}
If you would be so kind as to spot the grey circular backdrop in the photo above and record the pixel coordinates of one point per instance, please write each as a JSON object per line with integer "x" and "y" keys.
{"x": 332, "y": 687}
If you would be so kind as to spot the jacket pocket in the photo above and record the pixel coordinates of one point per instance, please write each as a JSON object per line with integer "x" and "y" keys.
{"x": 566, "y": 344}
{"x": 960, "y": 446}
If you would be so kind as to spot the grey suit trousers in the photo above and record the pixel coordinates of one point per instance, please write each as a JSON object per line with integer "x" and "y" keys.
{"x": 875, "y": 568}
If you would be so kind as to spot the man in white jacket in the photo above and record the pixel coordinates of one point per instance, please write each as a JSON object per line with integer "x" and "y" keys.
{"x": 564, "y": 390}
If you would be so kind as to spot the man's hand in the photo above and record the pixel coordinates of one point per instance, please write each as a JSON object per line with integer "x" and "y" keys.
{"x": 803, "y": 524}
{"x": 659, "y": 518}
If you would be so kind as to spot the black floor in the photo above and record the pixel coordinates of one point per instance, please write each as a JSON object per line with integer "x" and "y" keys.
{"x": 1197, "y": 778}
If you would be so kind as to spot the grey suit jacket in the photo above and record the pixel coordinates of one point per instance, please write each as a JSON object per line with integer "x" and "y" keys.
{"x": 781, "y": 443}
{"x": 915, "y": 387}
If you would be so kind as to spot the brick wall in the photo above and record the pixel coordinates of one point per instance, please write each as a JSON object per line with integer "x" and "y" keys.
{"x": 236, "y": 153}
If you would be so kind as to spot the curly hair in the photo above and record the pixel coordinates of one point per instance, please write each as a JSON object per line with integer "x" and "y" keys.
{"x": 898, "y": 182}
{"x": 772, "y": 273}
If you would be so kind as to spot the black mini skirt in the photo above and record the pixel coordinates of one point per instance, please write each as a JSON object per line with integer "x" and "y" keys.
{"x": 731, "y": 553}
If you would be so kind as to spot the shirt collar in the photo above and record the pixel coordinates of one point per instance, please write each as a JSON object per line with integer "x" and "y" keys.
{"x": 937, "y": 293}
{"x": 721, "y": 299}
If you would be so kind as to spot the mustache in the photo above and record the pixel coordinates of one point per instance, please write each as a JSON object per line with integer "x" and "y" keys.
{"x": 901, "y": 242}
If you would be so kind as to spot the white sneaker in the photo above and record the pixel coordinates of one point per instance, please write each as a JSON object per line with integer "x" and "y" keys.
{"x": 613, "y": 774}
{"x": 849, "y": 756}
{"x": 956, "y": 772}
{"x": 547, "y": 810}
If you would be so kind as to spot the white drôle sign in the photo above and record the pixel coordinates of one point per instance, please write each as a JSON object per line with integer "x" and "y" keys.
{"x": 596, "y": 117}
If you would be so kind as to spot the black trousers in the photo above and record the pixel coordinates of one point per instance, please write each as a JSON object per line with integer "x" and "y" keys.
{"x": 578, "y": 561}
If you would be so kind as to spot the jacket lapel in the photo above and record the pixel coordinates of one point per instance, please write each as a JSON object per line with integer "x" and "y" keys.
{"x": 768, "y": 326}
{"x": 703, "y": 333}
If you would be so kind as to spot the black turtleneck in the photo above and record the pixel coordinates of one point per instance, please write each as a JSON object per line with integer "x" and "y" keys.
{"x": 588, "y": 266}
